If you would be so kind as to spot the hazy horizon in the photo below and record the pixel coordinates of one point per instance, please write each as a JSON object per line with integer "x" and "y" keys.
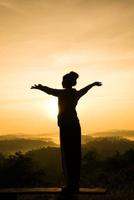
{"x": 127, "y": 134}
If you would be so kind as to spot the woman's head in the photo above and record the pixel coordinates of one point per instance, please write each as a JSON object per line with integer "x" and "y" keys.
{"x": 69, "y": 80}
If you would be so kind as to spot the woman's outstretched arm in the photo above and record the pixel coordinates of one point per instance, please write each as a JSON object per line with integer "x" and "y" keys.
{"x": 48, "y": 90}
{"x": 88, "y": 87}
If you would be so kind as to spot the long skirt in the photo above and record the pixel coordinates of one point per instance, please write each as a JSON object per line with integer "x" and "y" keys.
{"x": 70, "y": 141}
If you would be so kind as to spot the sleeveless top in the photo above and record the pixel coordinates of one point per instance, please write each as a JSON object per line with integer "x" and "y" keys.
{"x": 67, "y": 101}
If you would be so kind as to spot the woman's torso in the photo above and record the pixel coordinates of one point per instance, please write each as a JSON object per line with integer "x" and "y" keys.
{"x": 67, "y": 102}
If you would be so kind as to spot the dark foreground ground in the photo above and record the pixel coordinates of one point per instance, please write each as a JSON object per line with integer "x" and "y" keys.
{"x": 116, "y": 195}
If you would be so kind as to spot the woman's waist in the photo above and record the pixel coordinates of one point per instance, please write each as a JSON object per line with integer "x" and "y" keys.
{"x": 70, "y": 117}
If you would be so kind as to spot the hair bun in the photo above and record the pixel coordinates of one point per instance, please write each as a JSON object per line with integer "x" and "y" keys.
{"x": 74, "y": 74}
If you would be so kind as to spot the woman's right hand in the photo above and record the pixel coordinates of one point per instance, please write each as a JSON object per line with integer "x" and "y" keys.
{"x": 35, "y": 86}
{"x": 97, "y": 83}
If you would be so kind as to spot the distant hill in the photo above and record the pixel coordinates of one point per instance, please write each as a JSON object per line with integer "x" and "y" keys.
{"x": 103, "y": 142}
{"x": 128, "y": 134}
{"x": 107, "y": 146}
{"x": 49, "y": 158}
{"x": 116, "y": 134}
{"x": 44, "y": 137}
{"x": 8, "y": 146}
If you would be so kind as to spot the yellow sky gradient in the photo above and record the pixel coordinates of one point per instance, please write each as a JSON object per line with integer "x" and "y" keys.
{"x": 41, "y": 40}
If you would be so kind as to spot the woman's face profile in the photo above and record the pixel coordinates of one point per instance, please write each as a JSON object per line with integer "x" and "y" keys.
{"x": 64, "y": 84}
{"x": 68, "y": 85}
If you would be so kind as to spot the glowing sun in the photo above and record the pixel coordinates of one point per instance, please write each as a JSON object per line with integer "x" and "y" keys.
{"x": 52, "y": 108}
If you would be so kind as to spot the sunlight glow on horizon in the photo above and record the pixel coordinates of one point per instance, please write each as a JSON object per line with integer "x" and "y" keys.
{"x": 51, "y": 108}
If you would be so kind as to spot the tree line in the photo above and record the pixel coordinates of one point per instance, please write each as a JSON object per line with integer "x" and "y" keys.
{"x": 42, "y": 168}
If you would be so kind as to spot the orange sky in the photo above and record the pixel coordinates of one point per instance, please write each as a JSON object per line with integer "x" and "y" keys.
{"x": 42, "y": 40}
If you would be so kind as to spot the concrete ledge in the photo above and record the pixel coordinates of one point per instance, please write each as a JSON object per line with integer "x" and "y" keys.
{"x": 49, "y": 190}
{"x": 13, "y": 193}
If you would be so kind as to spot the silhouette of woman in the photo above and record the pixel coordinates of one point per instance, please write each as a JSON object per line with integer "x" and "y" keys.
{"x": 70, "y": 131}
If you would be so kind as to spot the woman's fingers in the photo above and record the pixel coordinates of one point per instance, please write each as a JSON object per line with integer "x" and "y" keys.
{"x": 34, "y": 86}
{"x": 100, "y": 83}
